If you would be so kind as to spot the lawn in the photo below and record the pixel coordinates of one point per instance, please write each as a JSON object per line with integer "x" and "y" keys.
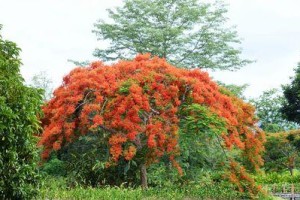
{"x": 56, "y": 188}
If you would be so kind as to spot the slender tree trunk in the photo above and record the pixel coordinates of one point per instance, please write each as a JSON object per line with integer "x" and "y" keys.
{"x": 143, "y": 171}
{"x": 291, "y": 171}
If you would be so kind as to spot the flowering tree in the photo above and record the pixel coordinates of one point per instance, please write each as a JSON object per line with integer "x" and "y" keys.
{"x": 137, "y": 107}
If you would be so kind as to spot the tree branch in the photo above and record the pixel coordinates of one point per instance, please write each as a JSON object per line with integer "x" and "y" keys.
{"x": 84, "y": 100}
{"x": 107, "y": 129}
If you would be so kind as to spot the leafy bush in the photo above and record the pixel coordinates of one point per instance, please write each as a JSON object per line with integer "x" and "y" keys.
{"x": 85, "y": 162}
{"x": 54, "y": 167}
{"x": 163, "y": 175}
{"x": 275, "y": 177}
{"x": 19, "y": 106}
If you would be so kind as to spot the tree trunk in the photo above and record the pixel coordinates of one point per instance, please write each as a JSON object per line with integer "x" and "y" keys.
{"x": 291, "y": 171}
{"x": 144, "y": 182}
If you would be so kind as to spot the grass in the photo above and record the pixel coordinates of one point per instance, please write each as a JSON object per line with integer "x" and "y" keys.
{"x": 56, "y": 188}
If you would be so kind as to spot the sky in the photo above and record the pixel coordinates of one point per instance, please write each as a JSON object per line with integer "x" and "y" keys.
{"x": 50, "y": 32}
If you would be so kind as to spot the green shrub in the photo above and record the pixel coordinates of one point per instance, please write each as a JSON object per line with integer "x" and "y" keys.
{"x": 275, "y": 178}
{"x": 54, "y": 167}
{"x": 19, "y": 106}
{"x": 85, "y": 159}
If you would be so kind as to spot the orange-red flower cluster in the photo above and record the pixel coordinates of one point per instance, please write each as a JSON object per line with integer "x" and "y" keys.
{"x": 130, "y": 152}
{"x": 242, "y": 180}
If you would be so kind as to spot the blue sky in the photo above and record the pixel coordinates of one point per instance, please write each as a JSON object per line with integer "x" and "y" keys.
{"x": 52, "y": 31}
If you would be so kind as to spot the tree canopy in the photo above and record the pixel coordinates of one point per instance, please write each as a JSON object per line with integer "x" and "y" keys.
{"x": 237, "y": 90}
{"x": 19, "y": 106}
{"x": 268, "y": 109}
{"x": 291, "y": 107}
{"x": 188, "y": 33}
{"x": 137, "y": 108}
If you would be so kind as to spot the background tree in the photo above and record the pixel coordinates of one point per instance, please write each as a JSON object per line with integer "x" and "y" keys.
{"x": 282, "y": 151}
{"x": 42, "y": 81}
{"x": 237, "y": 90}
{"x": 19, "y": 106}
{"x": 186, "y": 32}
{"x": 268, "y": 106}
{"x": 135, "y": 107}
{"x": 291, "y": 107}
